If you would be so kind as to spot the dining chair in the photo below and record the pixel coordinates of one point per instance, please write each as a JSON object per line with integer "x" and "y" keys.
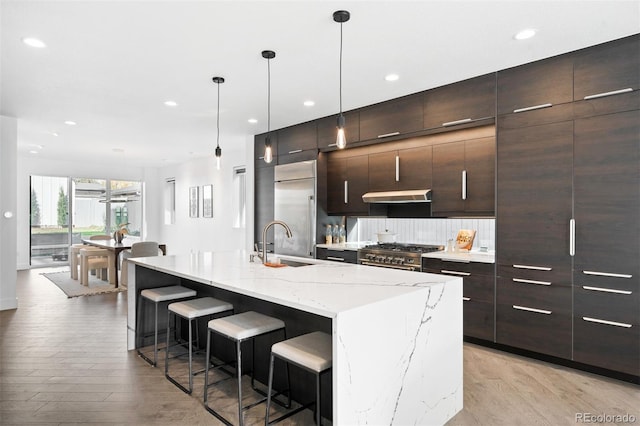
{"x": 139, "y": 249}
{"x": 96, "y": 259}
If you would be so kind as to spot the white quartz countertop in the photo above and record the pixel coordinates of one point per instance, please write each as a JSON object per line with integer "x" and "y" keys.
{"x": 323, "y": 288}
{"x": 472, "y": 256}
{"x": 351, "y": 246}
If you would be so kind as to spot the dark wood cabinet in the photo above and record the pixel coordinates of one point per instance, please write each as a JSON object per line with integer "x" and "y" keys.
{"x": 298, "y": 143}
{"x": 460, "y": 103}
{"x": 464, "y": 178}
{"x": 607, "y": 247}
{"x": 477, "y": 294}
{"x": 538, "y": 85}
{"x": 264, "y": 207}
{"x": 327, "y": 130}
{"x": 259, "y": 149}
{"x": 335, "y": 255}
{"x": 395, "y": 117}
{"x": 400, "y": 169}
{"x": 347, "y": 182}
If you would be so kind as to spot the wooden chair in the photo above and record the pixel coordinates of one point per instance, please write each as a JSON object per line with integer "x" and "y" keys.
{"x": 97, "y": 259}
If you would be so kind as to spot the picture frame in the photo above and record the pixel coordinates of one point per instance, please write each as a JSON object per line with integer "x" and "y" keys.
{"x": 193, "y": 201}
{"x": 207, "y": 201}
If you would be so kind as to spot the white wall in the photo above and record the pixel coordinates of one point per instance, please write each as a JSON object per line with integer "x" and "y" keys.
{"x": 189, "y": 234}
{"x": 8, "y": 203}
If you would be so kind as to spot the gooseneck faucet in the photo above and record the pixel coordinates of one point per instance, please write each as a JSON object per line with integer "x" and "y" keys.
{"x": 264, "y": 236}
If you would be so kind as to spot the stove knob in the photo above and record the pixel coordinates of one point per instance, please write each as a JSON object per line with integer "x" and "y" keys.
{"x": 400, "y": 260}
{"x": 380, "y": 259}
{"x": 388, "y": 259}
{"x": 409, "y": 261}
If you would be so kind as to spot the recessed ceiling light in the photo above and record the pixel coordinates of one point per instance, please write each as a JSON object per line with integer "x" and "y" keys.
{"x": 525, "y": 34}
{"x": 70, "y": 123}
{"x": 309, "y": 103}
{"x": 252, "y": 120}
{"x": 33, "y": 151}
{"x": 392, "y": 77}
{"x": 55, "y": 134}
{"x": 33, "y": 42}
{"x": 170, "y": 103}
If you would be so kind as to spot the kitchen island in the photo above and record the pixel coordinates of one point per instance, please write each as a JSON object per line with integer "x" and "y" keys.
{"x": 397, "y": 335}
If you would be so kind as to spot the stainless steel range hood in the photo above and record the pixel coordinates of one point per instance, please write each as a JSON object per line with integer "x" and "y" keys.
{"x": 411, "y": 196}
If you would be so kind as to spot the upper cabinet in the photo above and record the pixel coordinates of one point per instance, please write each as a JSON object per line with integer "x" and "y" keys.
{"x": 535, "y": 86}
{"x": 460, "y": 103}
{"x": 298, "y": 143}
{"x": 347, "y": 182}
{"x": 400, "y": 169}
{"x": 327, "y": 130}
{"x": 392, "y": 118}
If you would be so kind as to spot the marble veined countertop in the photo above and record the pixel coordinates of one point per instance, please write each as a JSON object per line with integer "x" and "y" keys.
{"x": 471, "y": 256}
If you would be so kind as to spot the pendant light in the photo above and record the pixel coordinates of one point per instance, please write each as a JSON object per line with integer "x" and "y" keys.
{"x": 218, "y": 152}
{"x": 341, "y": 16}
{"x": 268, "y": 152}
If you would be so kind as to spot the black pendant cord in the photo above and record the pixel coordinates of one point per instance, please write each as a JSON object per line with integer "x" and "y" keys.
{"x": 218, "y": 120}
{"x": 268, "y": 95}
{"x": 341, "y": 68}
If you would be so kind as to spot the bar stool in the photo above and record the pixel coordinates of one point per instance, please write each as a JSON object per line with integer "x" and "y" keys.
{"x": 157, "y": 296}
{"x": 311, "y": 352}
{"x": 238, "y": 328}
{"x": 191, "y": 310}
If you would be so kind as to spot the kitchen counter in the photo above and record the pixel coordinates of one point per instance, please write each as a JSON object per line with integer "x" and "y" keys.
{"x": 397, "y": 335}
{"x": 472, "y": 256}
{"x": 355, "y": 246}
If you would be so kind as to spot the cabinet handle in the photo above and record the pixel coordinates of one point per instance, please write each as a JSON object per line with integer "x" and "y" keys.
{"x": 535, "y": 268}
{"x": 346, "y": 191}
{"x": 466, "y": 299}
{"x": 603, "y": 94}
{"x": 462, "y": 274}
{"x": 295, "y": 151}
{"x": 523, "y": 281}
{"x": 537, "y": 311}
{"x": 386, "y": 135}
{"x": 397, "y": 168}
{"x": 607, "y": 274}
{"x": 572, "y": 237}
{"x": 531, "y": 108}
{"x": 606, "y": 290}
{"x": 456, "y": 122}
{"x": 601, "y": 321}
{"x": 464, "y": 184}
{"x": 261, "y": 158}
{"x": 333, "y": 144}
{"x": 338, "y": 259}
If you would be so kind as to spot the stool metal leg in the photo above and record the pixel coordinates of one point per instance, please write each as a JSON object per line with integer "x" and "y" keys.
{"x": 239, "y": 353}
{"x": 269, "y": 388}
{"x": 318, "y": 399}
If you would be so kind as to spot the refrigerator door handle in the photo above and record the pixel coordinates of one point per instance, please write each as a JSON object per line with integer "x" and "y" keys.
{"x": 310, "y": 219}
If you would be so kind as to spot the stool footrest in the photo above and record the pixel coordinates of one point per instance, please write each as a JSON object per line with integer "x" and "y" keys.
{"x": 290, "y": 413}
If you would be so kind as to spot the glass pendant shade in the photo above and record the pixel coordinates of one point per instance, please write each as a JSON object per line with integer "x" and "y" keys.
{"x": 268, "y": 153}
{"x": 341, "y": 139}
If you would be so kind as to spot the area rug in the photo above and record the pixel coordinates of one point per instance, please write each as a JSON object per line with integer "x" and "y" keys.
{"x": 73, "y": 288}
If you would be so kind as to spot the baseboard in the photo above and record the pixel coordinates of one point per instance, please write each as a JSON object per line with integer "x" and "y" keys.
{"x": 10, "y": 303}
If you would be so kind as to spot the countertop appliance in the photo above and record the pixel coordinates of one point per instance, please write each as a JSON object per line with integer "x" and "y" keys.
{"x": 295, "y": 204}
{"x": 395, "y": 255}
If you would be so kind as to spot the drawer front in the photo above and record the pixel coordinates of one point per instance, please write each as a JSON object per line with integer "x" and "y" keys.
{"x": 613, "y": 282}
{"x": 347, "y": 256}
{"x": 527, "y": 274}
{"x": 478, "y": 319}
{"x": 607, "y": 346}
{"x": 599, "y": 304}
{"x": 479, "y": 288}
{"x": 469, "y": 267}
{"x": 553, "y": 298}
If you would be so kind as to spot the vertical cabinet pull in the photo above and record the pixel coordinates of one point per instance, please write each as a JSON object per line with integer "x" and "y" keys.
{"x": 397, "y": 168}
{"x": 346, "y": 191}
{"x": 572, "y": 237}
{"x": 466, "y": 299}
{"x": 464, "y": 184}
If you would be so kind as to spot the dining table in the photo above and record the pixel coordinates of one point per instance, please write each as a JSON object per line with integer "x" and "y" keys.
{"x": 117, "y": 247}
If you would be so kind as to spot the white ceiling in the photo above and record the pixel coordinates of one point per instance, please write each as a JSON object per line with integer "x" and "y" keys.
{"x": 110, "y": 65}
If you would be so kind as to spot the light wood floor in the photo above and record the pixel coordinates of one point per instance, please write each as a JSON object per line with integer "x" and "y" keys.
{"x": 64, "y": 361}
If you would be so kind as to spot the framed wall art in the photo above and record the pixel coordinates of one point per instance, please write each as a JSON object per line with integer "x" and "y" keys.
{"x": 207, "y": 201}
{"x": 193, "y": 201}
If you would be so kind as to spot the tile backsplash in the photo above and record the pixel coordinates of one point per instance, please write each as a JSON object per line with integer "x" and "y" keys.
{"x": 425, "y": 231}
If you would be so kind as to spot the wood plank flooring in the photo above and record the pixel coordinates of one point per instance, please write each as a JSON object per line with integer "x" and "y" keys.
{"x": 64, "y": 361}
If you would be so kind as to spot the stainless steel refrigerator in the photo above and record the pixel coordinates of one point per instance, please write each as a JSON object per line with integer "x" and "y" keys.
{"x": 295, "y": 204}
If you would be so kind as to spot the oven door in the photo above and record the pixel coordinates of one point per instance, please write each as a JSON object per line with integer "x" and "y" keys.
{"x": 390, "y": 266}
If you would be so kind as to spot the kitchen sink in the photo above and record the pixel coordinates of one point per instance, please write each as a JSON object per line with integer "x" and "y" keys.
{"x": 294, "y": 263}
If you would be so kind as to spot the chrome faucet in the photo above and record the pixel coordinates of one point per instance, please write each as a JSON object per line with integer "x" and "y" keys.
{"x": 264, "y": 236}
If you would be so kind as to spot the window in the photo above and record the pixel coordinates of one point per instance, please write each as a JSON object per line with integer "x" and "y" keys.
{"x": 170, "y": 201}
{"x": 239, "y": 197}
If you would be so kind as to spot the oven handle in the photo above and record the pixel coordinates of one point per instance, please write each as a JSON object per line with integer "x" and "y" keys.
{"x": 403, "y": 267}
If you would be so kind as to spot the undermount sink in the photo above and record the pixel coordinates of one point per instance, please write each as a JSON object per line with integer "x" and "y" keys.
{"x": 294, "y": 263}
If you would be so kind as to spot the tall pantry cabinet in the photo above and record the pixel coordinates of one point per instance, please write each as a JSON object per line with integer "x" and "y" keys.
{"x": 568, "y": 207}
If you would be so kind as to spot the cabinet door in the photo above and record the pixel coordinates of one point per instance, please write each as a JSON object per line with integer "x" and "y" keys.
{"x": 357, "y": 184}
{"x": 336, "y": 176}
{"x": 448, "y": 164}
{"x": 327, "y": 130}
{"x": 460, "y": 102}
{"x": 258, "y": 149}
{"x": 382, "y": 171}
{"x": 480, "y": 166}
{"x": 298, "y": 138}
{"x": 414, "y": 168}
{"x": 534, "y": 199}
{"x": 608, "y": 69}
{"x": 395, "y": 117}
{"x": 549, "y": 81}
{"x": 264, "y": 208}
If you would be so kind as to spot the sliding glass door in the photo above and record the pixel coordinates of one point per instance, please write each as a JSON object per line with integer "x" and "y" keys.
{"x": 49, "y": 220}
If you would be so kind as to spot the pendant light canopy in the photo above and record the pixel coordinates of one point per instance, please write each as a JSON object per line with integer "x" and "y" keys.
{"x": 218, "y": 151}
{"x": 340, "y": 17}
{"x": 268, "y": 153}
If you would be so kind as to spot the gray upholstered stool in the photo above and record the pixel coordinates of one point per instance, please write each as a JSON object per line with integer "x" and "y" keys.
{"x": 238, "y": 328}
{"x": 191, "y": 310}
{"x": 157, "y": 296}
{"x": 310, "y": 351}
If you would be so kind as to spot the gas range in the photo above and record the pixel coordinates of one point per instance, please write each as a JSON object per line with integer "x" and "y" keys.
{"x": 395, "y": 255}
